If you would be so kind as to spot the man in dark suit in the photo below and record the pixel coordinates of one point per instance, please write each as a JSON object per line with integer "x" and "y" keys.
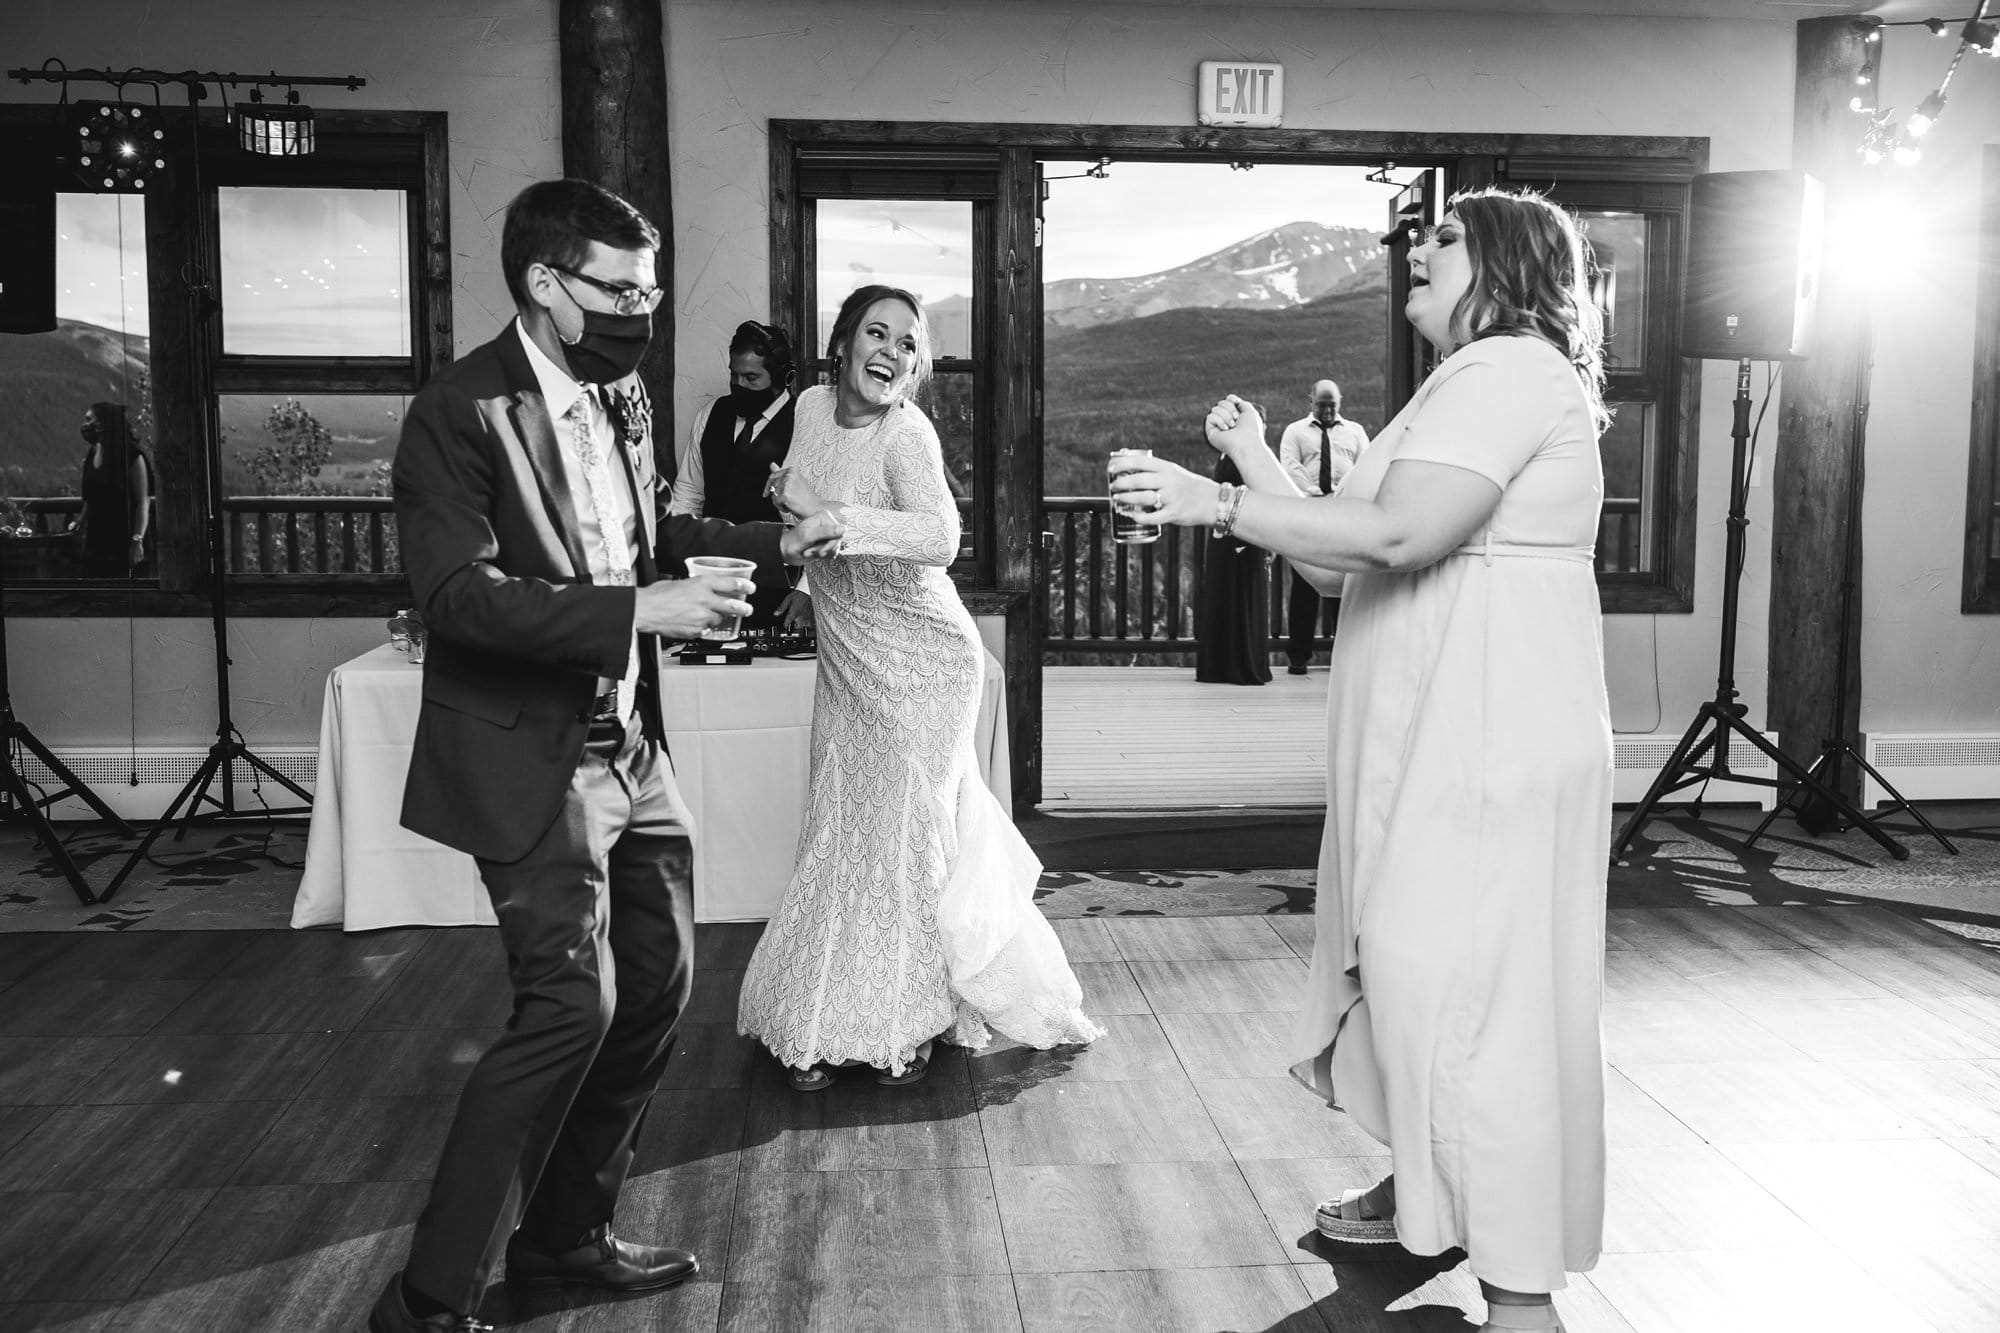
{"x": 524, "y": 486}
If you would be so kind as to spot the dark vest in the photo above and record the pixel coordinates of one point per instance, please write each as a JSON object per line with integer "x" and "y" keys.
{"x": 733, "y": 481}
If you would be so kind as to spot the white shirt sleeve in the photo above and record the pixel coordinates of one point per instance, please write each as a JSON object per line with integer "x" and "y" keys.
{"x": 690, "y": 489}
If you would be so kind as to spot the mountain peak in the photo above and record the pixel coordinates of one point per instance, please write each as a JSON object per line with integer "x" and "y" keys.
{"x": 1288, "y": 265}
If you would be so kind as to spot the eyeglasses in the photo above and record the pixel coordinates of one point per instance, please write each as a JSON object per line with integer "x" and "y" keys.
{"x": 624, "y": 300}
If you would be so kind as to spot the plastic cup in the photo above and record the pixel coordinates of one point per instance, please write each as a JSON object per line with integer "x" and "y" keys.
{"x": 717, "y": 567}
{"x": 1127, "y": 527}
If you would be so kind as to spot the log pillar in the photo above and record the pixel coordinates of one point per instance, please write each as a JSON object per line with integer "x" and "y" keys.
{"x": 614, "y": 133}
{"x": 1817, "y": 469}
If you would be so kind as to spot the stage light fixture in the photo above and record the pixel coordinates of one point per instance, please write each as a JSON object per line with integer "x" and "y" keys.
{"x": 120, "y": 147}
{"x": 275, "y": 131}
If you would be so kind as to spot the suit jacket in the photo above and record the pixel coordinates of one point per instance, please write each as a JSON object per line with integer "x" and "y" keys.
{"x": 518, "y": 634}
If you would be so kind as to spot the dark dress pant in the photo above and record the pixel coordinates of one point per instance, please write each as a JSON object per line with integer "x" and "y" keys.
{"x": 598, "y": 924}
{"x": 1303, "y": 612}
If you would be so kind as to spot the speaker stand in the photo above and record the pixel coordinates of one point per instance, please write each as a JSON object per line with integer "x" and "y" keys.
{"x": 18, "y": 801}
{"x": 1703, "y": 752}
{"x": 1812, "y": 815}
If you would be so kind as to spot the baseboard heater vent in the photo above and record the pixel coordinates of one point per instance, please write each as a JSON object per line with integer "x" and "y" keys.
{"x": 161, "y": 772}
{"x": 1637, "y": 760}
{"x": 1933, "y": 766}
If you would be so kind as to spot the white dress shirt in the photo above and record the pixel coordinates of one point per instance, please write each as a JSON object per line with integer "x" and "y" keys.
{"x": 690, "y": 476}
{"x": 613, "y": 562}
{"x": 1298, "y": 451}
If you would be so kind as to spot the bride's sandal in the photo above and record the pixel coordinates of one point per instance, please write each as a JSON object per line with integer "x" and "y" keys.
{"x": 817, "y": 1078}
{"x": 1521, "y": 1318}
{"x": 1347, "y": 1219}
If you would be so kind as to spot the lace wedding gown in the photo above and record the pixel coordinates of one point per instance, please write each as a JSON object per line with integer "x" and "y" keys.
{"x": 910, "y": 913}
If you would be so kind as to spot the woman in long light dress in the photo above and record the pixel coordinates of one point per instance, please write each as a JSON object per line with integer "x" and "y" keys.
{"x": 910, "y": 914}
{"x": 1453, "y": 1004}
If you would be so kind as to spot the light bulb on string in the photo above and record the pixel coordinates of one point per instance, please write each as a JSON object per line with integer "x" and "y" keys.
{"x": 1907, "y": 152}
{"x": 1926, "y": 114}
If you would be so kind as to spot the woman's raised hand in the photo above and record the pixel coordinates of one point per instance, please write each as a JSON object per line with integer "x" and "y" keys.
{"x": 1163, "y": 492}
{"x": 1234, "y": 424}
{"x": 793, "y": 497}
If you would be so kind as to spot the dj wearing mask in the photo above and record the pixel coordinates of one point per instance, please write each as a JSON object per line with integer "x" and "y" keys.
{"x": 726, "y": 461}
{"x": 728, "y": 456}
{"x": 524, "y": 485}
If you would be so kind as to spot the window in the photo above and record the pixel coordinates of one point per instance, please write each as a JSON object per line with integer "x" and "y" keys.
{"x": 923, "y": 246}
{"x": 322, "y": 303}
{"x": 1645, "y": 539}
{"x": 1982, "y": 519}
{"x": 98, "y": 353}
{"x": 922, "y": 221}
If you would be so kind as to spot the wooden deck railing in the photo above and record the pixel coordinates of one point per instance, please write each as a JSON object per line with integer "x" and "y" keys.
{"x": 1107, "y": 598}
{"x": 1103, "y": 597}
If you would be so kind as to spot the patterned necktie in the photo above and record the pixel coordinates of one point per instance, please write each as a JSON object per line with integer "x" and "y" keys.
{"x": 598, "y": 481}
{"x": 1325, "y": 460}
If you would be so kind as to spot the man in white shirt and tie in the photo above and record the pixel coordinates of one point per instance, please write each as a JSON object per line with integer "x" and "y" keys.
{"x": 1316, "y": 451}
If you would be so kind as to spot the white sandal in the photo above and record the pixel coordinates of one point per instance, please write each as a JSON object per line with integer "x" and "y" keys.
{"x": 1340, "y": 1219}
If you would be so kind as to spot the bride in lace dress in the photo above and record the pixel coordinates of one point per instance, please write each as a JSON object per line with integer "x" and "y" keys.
{"x": 910, "y": 913}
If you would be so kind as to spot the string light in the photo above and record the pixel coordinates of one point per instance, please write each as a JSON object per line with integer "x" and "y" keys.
{"x": 1882, "y": 138}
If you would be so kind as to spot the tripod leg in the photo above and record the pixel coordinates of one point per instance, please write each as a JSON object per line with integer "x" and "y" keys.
{"x": 1664, "y": 783}
{"x": 72, "y": 784}
{"x": 1784, "y": 802}
{"x": 275, "y": 776}
{"x": 190, "y": 795}
{"x": 1898, "y": 802}
{"x": 45, "y": 833}
{"x": 1787, "y": 764}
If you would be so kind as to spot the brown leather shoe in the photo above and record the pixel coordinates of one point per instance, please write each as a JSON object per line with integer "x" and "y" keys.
{"x": 602, "y": 1261}
{"x": 390, "y": 1315}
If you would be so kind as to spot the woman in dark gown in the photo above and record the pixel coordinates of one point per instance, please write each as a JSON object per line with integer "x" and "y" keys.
{"x": 1233, "y": 616}
{"x": 115, "y": 526}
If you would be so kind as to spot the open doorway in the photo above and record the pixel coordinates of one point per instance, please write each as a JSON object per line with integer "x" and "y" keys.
{"x": 1164, "y": 286}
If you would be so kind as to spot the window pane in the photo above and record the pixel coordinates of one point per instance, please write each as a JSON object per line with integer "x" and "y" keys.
{"x": 1618, "y": 282}
{"x": 98, "y": 353}
{"x": 1625, "y": 533}
{"x": 947, "y": 399}
{"x": 314, "y": 272}
{"x": 306, "y": 482}
{"x": 921, "y": 245}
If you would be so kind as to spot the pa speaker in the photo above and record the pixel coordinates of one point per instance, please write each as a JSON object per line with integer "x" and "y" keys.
{"x": 1753, "y": 265}
{"x": 27, "y": 236}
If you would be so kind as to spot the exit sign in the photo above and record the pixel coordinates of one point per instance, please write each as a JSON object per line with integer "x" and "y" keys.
{"x": 1240, "y": 92}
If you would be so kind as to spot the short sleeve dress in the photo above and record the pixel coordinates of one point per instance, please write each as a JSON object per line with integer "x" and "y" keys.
{"x": 1453, "y": 1004}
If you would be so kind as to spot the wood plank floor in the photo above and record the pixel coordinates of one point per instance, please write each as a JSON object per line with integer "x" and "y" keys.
{"x": 235, "y": 1134}
{"x": 1139, "y": 738}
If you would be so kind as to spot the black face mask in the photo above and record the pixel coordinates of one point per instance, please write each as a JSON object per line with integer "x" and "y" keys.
{"x": 609, "y": 347}
{"x": 91, "y": 434}
{"x": 749, "y": 404}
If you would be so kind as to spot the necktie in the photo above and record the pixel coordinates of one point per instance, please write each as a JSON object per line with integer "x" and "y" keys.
{"x": 597, "y": 480}
{"x": 1325, "y": 460}
{"x": 743, "y": 436}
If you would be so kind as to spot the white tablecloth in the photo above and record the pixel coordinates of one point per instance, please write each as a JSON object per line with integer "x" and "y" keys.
{"x": 739, "y": 737}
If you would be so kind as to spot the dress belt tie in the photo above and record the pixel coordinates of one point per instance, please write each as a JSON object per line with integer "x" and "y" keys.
{"x": 1488, "y": 549}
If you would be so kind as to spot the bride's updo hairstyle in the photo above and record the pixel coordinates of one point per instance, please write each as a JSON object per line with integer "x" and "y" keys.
{"x": 849, "y": 319}
{"x": 1530, "y": 275}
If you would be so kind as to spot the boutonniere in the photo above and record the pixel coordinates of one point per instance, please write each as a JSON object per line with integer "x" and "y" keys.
{"x": 634, "y": 415}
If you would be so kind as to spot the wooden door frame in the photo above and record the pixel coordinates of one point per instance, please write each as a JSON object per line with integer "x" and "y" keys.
{"x": 1011, "y": 588}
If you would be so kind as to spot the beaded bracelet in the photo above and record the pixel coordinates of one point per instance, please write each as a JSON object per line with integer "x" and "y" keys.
{"x": 1228, "y": 500}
